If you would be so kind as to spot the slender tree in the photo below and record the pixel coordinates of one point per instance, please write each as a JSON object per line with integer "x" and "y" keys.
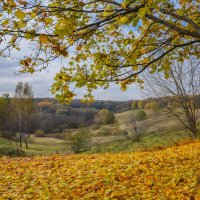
{"x": 23, "y": 101}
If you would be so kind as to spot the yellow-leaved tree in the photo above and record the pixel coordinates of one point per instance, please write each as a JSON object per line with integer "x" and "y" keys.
{"x": 106, "y": 40}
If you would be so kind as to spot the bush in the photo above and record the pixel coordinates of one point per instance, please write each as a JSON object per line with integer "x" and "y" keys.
{"x": 106, "y": 117}
{"x": 12, "y": 152}
{"x": 81, "y": 141}
{"x": 40, "y": 133}
{"x": 141, "y": 115}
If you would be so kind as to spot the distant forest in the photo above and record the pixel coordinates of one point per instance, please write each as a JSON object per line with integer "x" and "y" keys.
{"x": 51, "y": 116}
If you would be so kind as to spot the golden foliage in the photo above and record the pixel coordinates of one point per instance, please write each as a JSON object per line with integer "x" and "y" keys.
{"x": 105, "y": 41}
{"x": 173, "y": 173}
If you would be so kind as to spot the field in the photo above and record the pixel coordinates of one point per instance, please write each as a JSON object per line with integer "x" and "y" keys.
{"x": 172, "y": 173}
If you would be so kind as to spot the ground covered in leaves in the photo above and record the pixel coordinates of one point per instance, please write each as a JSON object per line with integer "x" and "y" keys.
{"x": 173, "y": 173}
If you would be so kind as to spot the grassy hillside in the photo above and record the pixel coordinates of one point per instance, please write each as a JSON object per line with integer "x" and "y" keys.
{"x": 173, "y": 173}
{"x": 162, "y": 131}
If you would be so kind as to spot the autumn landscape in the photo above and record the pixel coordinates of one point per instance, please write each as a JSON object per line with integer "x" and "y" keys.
{"x": 100, "y": 99}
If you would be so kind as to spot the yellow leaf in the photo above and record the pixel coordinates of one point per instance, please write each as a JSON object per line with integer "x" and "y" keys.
{"x": 135, "y": 68}
{"x": 78, "y": 48}
{"x": 145, "y": 61}
{"x": 33, "y": 15}
{"x": 43, "y": 39}
{"x": 142, "y": 50}
{"x": 71, "y": 41}
{"x": 48, "y": 21}
{"x": 123, "y": 5}
{"x": 20, "y": 14}
{"x": 21, "y": 24}
{"x": 4, "y": 23}
{"x": 123, "y": 20}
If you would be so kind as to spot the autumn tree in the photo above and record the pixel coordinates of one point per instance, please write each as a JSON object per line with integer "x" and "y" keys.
{"x": 147, "y": 106}
{"x": 134, "y": 105}
{"x": 140, "y": 104}
{"x": 154, "y": 106}
{"x": 106, "y": 117}
{"x": 23, "y": 103}
{"x": 181, "y": 90}
{"x": 105, "y": 40}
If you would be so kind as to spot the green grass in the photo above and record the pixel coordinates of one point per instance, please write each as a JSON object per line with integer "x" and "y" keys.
{"x": 6, "y": 143}
{"x": 10, "y": 148}
{"x": 46, "y": 146}
{"x": 38, "y": 146}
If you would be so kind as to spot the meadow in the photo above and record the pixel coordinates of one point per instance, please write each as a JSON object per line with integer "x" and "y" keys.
{"x": 112, "y": 138}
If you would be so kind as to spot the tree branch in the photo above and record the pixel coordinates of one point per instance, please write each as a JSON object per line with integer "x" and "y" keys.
{"x": 181, "y": 31}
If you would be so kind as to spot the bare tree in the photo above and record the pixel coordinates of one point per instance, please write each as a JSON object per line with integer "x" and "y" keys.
{"x": 23, "y": 102}
{"x": 136, "y": 128}
{"x": 182, "y": 91}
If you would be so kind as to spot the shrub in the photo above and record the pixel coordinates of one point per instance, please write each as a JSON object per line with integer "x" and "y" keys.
{"x": 81, "y": 141}
{"x": 39, "y": 133}
{"x": 106, "y": 117}
{"x": 12, "y": 152}
{"x": 141, "y": 115}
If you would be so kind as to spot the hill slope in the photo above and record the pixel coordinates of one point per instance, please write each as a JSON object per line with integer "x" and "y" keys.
{"x": 173, "y": 173}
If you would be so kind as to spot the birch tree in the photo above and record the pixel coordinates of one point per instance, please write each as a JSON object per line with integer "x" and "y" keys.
{"x": 24, "y": 106}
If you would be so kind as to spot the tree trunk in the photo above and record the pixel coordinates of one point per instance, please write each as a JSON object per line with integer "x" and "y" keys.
{"x": 193, "y": 130}
{"x": 25, "y": 142}
{"x": 25, "y": 127}
{"x": 20, "y": 132}
{"x": 20, "y": 140}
